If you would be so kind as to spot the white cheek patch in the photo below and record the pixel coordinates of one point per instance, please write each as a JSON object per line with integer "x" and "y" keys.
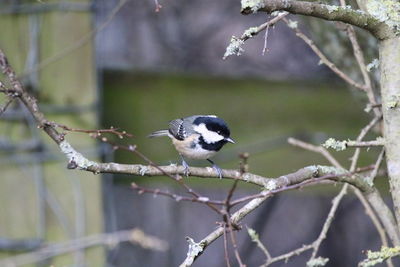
{"x": 209, "y": 136}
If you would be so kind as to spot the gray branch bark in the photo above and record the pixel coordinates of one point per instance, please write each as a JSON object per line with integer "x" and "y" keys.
{"x": 389, "y": 55}
{"x": 327, "y": 12}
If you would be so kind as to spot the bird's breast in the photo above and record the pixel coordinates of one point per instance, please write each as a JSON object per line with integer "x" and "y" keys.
{"x": 190, "y": 148}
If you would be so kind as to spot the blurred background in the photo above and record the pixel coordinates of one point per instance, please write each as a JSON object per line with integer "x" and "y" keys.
{"x": 102, "y": 63}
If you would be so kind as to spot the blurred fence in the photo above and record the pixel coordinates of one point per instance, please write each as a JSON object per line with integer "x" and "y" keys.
{"x": 40, "y": 200}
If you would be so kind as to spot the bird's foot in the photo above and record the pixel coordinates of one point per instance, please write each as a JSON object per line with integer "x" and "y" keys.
{"x": 186, "y": 171}
{"x": 217, "y": 169}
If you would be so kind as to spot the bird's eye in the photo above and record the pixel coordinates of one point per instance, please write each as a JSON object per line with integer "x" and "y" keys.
{"x": 218, "y": 132}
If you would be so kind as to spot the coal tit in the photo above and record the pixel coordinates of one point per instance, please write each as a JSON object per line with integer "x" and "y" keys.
{"x": 197, "y": 137}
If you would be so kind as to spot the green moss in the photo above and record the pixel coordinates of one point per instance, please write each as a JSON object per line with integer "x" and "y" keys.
{"x": 253, "y": 234}
{"x": 250, "y": 32}
{"x": 331, "y": 170}
{"x": 253, "y": 5}
{"x": 292, "y": 24}
{"x": 332, "y": 8}
{"x": 375, "y": 257}
{"x": 317, "y": 262}
{"x": 271, "y": 185}
{"x": 335, "y": 144}
{"x": 373, "y": 65}
{"x": 234, "y": 47}
{"x": 393, "y": 102}
{"x": 387, "y": 11}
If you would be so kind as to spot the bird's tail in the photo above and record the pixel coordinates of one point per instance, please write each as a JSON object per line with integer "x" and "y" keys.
{"x": 159, "y": 133}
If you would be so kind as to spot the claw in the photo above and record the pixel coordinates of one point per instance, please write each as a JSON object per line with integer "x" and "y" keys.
{"x": 216, "y": 168}
{"x": 185, "y": 167}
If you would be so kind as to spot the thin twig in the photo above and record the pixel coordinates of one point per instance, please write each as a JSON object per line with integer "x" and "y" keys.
{"x": 228, "y": 221}
{"x": 263, "y": 26}
{"x": 234, "y": 243}
{"x": 362, "y": 134}
{"x": 287, "y": 256}
{"x": 158, "y": 6}
{"x": 328, "y": 221}
{"x": 324, "y": 59}
{"x": 6, "y": 105}
{"x": 228, "y": 264}
{"x": 175, "y": 197}
{"x": 265, "y": 47}
{"x": 253, "y": 31}
{"x": 321, "y": 237}
{"x": 317, "y": 149}
{"x": 358, "y": 54}
{"x": 256, "y": 239}
{"x": 371, "y": 143}
{"x": 97, "y": 133}
{"x": 378, "y": 163}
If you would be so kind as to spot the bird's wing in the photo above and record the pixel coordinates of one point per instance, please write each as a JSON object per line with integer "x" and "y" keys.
{"x": 176, "y": 128}
{"x": 182, "y": 128}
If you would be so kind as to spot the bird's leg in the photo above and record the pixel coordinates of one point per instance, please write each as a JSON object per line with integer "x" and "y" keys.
{"x": 216, "y": 168}
{"x": 185, "y": 167}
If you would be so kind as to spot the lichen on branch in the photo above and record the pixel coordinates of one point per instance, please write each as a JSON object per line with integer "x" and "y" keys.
{"x": 317, "y": 262}
{"x": 387, "y": 11}
{"x": 253, "y": 5}
{"x": 234, "y": 47}
{"x": 375, "y": 257}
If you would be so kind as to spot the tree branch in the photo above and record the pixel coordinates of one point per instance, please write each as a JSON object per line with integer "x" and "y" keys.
{"x": 307, "y": 173}
{"x": 327, "y": 12}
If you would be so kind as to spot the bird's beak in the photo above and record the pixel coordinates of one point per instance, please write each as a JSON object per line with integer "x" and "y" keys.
{"x": 230, "y": 140}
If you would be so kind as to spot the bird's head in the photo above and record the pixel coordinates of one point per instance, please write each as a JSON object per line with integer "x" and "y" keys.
{"x": 212, "y": 129}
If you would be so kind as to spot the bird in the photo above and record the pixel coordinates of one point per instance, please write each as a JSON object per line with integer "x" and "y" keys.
{"x": 197, "y": 137}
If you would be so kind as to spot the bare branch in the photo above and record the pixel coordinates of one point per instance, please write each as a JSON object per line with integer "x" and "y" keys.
{"x": 374, "y": 172}
{"x": 256, "y": 239}
{"x": 233, "y": 240}
{"x": 327, "y": 12}
{"x": 287, "y": 256}
{"x": 228, "y": 264}
{"x": 362, "y": 134}
{"x": 177, "y": 198}
{"x": 29, "y": 101}
{"x": 6, "y": 105}
{"x": 377, "y": 142}
{"x": 328, "y": 221}
{"x": 358, "y": 54}
{"x": 373, "y": 197}
{"x": 135, "y": 236}
{"x": 235, "y": 46}
{"x": 311, "y": 172}
{"x": 342, "y": 145}
{"x": 321, "y": 237}
{"x": 94, "y": 133}
{"x": 318, "y": 149}
{"x": 324, "y": 59}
